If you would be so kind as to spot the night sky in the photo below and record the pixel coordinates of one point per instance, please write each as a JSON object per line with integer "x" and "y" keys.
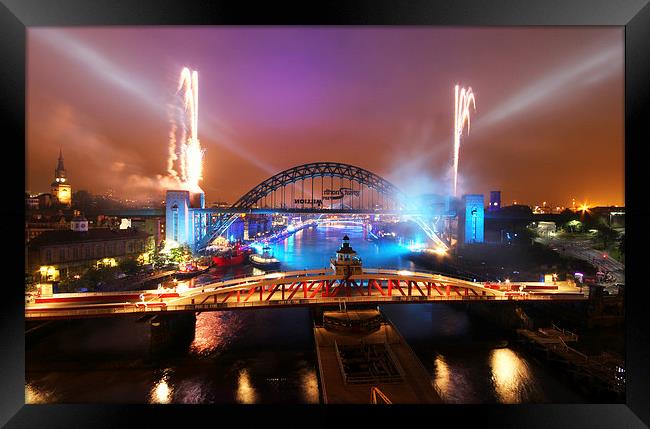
{"x": 548, "y": 125}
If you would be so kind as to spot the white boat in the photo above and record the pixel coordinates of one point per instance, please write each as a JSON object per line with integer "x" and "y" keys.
{"x": 265, "y": 260}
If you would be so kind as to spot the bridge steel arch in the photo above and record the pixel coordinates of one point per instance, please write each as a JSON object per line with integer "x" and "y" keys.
{"x": 320, "y": 169}
{"x": 310, "y": 171}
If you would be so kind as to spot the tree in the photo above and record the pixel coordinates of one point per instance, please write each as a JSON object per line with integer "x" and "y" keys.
{"x": 130, "y": 266}
{"x": 72, "y": 286}
{"x": 514, "y": 211}
{"x": 30, "y": 285}
{"x": 180, "y": 254}
{"x": 567, "y": 215}
{"x": 82, "y": 200}
{"x": 92, "y": 280}
{"x": 621, "y": 245}
{"x": 573, "y": 226}
{"x": 100, "y": 275}
{"x": 159, "y": 259}
{"x": 606, "y": 234}
{"x": 591, "y": 221}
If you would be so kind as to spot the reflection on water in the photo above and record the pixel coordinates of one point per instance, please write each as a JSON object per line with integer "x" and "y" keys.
{"x": 453, "y": 381}
{"x": 466, "y": 362}
{"x": 214, "y": 330}
{"x": 245, "y": 392}
{"x": 35, "y": 395}
{"x": 161, "y": 393}
{"x": 309, "y": 383}
{"x": 192, "y": 391}
{"x": 267, "y": 355}
{"x": 490, "y": 375}
{"x": 313, "y": 248}
{"x": 510, "y": 376}
{"x": 442, "y": 376}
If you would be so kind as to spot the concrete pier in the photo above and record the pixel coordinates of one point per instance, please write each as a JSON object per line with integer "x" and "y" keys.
{"x": 367, "y": 354}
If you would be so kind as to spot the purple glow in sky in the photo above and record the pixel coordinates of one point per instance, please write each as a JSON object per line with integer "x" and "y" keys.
{"x": 548, "y": 125}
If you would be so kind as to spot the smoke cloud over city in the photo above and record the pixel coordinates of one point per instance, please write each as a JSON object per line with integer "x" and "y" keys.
{"x": 274, "y": 98}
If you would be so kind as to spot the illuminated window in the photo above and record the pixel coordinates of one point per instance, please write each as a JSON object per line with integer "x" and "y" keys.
{"x": 175, "y": 223}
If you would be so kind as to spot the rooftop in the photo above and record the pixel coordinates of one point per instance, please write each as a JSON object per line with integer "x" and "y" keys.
{"x": 346, "y": 248}
{"x": 98, "y": 234}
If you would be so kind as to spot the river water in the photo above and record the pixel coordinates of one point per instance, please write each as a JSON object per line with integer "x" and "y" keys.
{"x": 267, "y": 355}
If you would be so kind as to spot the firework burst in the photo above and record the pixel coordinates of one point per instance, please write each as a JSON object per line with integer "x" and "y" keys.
{"x": 462, "y": 101}
{"x": 186, "y": 148}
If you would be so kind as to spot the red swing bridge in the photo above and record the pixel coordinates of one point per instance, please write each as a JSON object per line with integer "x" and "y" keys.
{"x": 346, "y": 282}
{"x": 295, "y": 288}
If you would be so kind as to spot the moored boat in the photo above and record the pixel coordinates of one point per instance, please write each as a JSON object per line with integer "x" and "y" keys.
{"x": 265, "y": 260}
{"x": 228, "y": 256}
{"x": 190, "y": 271}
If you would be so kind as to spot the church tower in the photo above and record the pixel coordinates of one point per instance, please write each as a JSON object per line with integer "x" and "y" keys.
{"x": 60, "y": 189}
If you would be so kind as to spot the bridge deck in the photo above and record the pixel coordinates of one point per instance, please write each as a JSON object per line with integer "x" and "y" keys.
{"x": 295, "y": 288}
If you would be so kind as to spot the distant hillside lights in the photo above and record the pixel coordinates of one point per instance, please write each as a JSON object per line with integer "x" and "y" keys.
{"x": 546, "y": 209}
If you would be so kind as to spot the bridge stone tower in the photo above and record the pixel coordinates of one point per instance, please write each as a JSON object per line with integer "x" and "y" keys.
{"x": 183, "y": 223}
{"x": 471, "y": 225}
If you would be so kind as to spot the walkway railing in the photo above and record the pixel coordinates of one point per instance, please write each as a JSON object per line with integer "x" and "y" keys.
{"x": 130, "y": 308}
{"x": 574, "y": 336}
{"x": 374, "y": 270}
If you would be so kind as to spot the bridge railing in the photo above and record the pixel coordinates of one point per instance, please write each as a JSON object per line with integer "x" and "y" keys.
{"x": 432, "y": 272}
{"x": 277, "y": 271}
{"x": 230, "y": 281}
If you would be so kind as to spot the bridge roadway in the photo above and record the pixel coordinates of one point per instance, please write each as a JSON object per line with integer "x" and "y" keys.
{"x": 490, "y": 216}
{"x": 280, "y": 210}
{"x": 294, "y": 288}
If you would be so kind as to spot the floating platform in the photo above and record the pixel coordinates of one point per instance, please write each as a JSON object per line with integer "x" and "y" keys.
{"x": 547, "y": 336}
{"x": 360, "y": 350}
{"x": 603, "y": 374}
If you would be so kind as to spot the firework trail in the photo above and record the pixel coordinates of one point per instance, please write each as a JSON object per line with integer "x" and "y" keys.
{"x": 186, "y": 149}
{"x": 172, "y": 149}
{"x": 462, "y": 101}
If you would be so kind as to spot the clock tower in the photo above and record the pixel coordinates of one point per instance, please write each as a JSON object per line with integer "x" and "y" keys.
{"x": 60, "y": 188}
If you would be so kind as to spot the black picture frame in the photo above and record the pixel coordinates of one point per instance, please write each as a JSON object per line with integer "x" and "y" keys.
{"x": 17, "y": 15}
